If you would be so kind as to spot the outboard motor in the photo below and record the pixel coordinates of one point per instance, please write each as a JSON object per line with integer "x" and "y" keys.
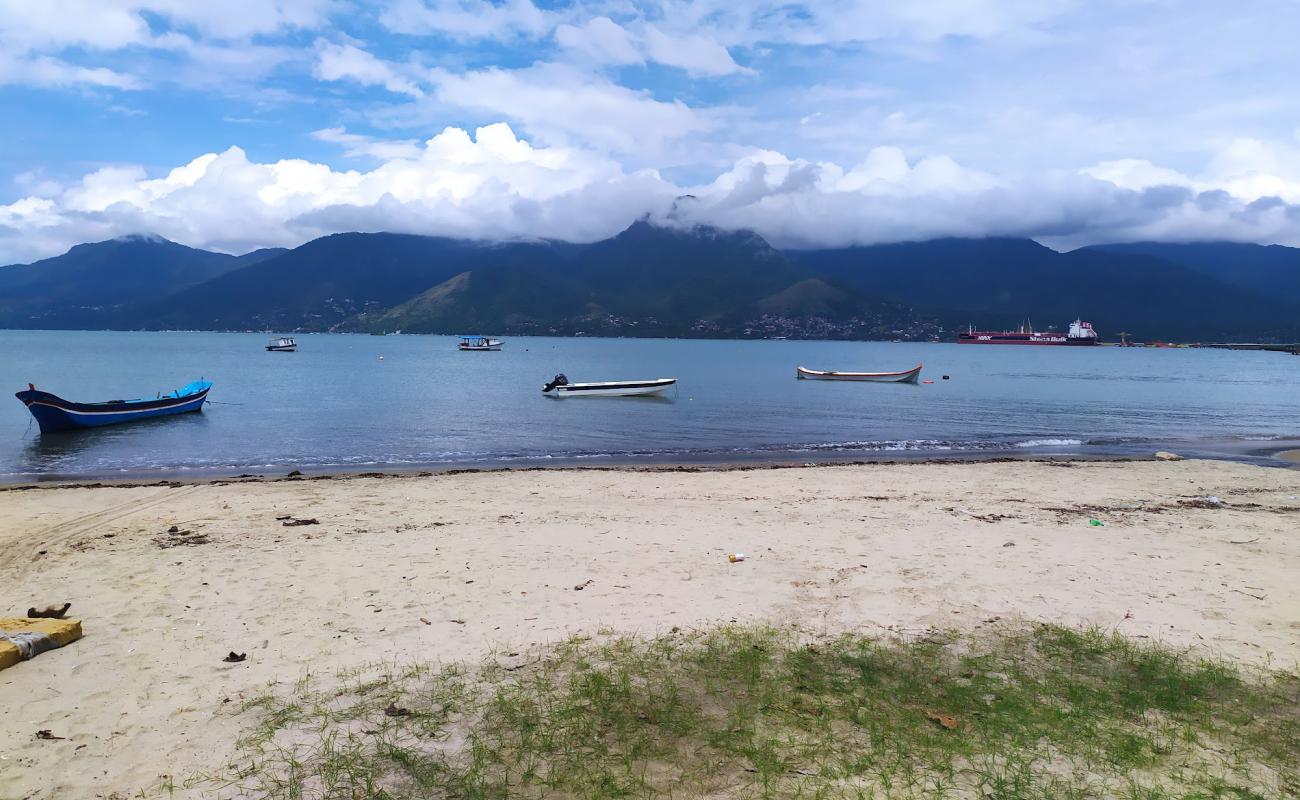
{"x": 558, "y": 380}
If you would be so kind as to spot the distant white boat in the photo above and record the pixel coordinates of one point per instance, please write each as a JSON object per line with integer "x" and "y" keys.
{"x": 560, "y": 387}
{"x": 284, "y": 344}
{"x": 907, "y": 376}
{"x": 478, "y": 344}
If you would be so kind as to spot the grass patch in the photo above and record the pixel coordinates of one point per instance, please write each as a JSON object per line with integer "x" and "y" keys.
{"x": 1047, "y": 712}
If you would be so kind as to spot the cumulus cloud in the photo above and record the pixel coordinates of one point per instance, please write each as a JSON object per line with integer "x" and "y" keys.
{"x": 490, "y": 185}
{"x": 1249, "y": 169}
{"x": 496, "y": 185}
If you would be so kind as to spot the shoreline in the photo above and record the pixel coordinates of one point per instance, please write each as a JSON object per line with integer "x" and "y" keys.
{"x": 1282, "y": 456}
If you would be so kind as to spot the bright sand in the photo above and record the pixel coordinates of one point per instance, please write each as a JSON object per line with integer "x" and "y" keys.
{"x": 491, "y": 560}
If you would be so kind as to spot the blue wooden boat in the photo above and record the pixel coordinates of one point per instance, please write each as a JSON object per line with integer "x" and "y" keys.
{"x": 56, "y": 414}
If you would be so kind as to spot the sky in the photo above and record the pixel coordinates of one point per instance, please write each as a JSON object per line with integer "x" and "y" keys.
{"x": 255, "y": 123}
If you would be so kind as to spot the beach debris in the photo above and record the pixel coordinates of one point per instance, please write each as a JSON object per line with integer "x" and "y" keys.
{"x": 393, "y": 710}
{"x": 735, "y": 558}
{"x": 1096, "y": 523}
{"x": 295, "y": 474}
{"x": 1242, "y": 541}
{"x": 235, "y": 658}
{"x": 1165, "y": 455}
{"x": 1248, "y": 594}
{"x": 1008, "y": 544}
{"x": 946, "y": 720}
{"x": 1202, "y": 502}
{"x": 985, "y": 517}
{"x": 175, "y": 537}
{"x": 425, "y": 621}
{"x": 579, "y": 587}
{"x": 293, "y": 522}
{"x": 49, "y": 612}
{"x": 44, "y": 733}
{"x": 457, "y": 621}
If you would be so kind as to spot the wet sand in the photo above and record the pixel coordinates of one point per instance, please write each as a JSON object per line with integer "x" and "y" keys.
{"x": 455, "y": 566}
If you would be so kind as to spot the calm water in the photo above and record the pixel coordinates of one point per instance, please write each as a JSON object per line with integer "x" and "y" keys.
{"x": 336, "y": 404}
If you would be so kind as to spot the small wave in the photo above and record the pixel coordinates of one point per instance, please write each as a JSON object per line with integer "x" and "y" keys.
{"x": 1049, "y": 443}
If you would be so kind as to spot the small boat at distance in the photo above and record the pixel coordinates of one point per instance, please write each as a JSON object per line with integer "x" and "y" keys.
{"x": 560, "y": 387}
{"x": 478, "y": 344}
{"x": 907, "y": 376}
{"x": 283, "y": 344}
{"x": 53, "y": 413}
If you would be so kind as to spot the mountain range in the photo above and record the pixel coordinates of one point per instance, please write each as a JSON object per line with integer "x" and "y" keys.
{"x": 651, "y": 280}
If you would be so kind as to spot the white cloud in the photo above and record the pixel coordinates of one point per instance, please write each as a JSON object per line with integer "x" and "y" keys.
{"x": 495, "y": 185}
{"x": 43, "y": 43}
{"x": 491, "y": 185}
{"x": 237, "y": 19}
{"x": 27, "y": 25}
{"x": 114, "y": 24}
{"x": 822, "y": 22}
{"x": 600, "y": 40}
{"x": 49, "y": 72}
{"x": 347, "y": 62}
{"x": 1248, "y": 169}
{"x": 468, "y": 19}
{"x": 560, "y": 104}
{"x": 358, "y": 146}
{"x": 697, "y": 54}
{"x": 1136, "y": 174}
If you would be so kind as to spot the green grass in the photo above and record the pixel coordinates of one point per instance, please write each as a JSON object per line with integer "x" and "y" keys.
{"x": 1048, "y": 712}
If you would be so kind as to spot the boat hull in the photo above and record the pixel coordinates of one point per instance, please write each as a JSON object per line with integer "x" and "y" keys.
{"x": 485, "y": 349}
{"x": 613, "y": 388}
{"x": 292, "y": 348}
{"x": 1032, "y": 339}
{"x": 53, "y": 413}
{"x": 907, "y": 376}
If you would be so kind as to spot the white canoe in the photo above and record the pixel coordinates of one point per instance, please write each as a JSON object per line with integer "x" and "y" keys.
{"x": 609, "y": 388}
{"x": 909, "y": 376}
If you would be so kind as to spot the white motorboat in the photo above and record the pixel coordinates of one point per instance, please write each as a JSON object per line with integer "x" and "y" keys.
{"x": 283, "y": 344}
{"x": 479, "y": 344}
{"x": 560, "y": 387}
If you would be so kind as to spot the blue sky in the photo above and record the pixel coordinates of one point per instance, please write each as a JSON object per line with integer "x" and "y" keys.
{"x": 250, "y": 123}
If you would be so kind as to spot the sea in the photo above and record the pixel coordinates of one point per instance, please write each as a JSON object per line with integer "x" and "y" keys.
{"x": 370, "y": 403}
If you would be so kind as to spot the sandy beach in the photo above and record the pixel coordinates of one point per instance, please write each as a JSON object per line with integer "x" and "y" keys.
{"x": 451, "y": 567}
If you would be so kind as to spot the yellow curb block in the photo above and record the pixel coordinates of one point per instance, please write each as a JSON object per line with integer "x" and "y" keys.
{"x": 62, "y": 631}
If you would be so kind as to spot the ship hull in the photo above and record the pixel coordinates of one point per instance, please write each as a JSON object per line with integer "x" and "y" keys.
{"x": 1024, "y": 339}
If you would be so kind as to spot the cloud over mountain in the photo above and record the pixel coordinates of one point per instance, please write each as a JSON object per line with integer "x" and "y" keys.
{"x": 496, "y": 185}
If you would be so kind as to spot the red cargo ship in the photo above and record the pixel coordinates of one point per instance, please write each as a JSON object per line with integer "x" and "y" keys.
{"x": 1080, "y": 333}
